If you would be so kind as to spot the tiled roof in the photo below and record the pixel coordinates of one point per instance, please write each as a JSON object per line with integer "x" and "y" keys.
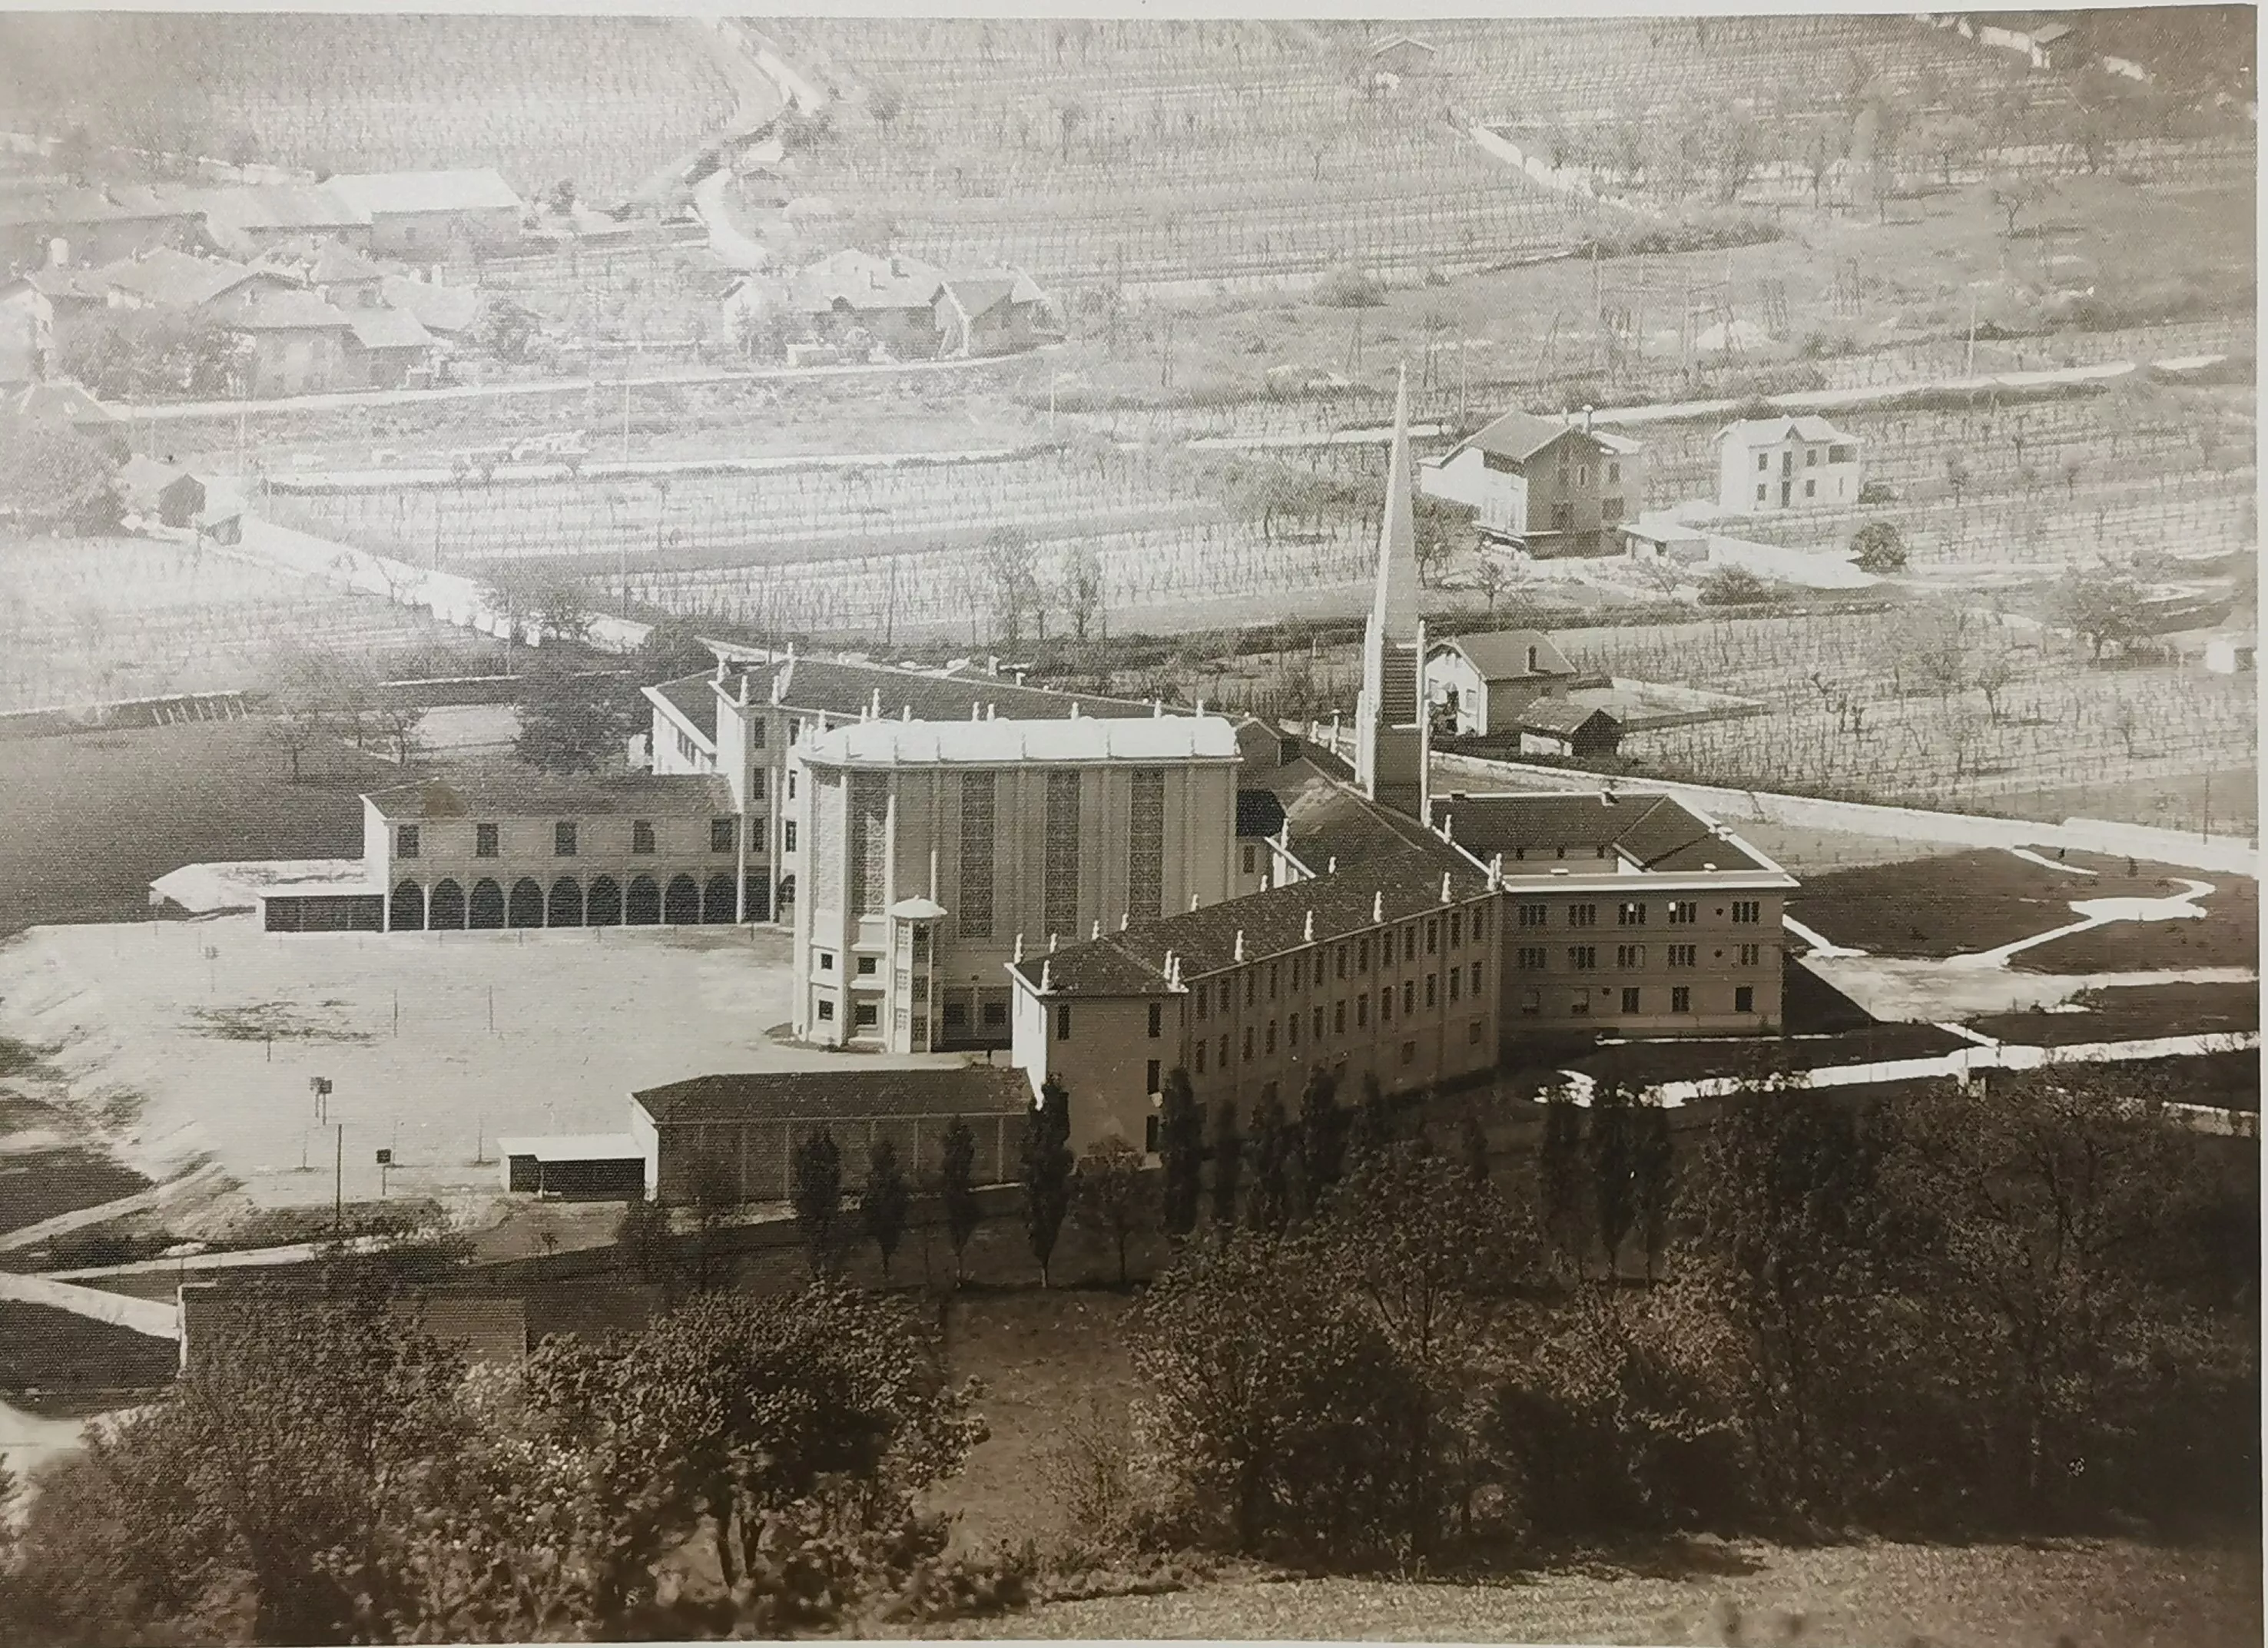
{"x": 1563, "y": 716}
{"x": 700, "y": 795}
{"x": 862, "y": 280}
{"x": 175, "y": 280}
{"x": 378, "y": 328}
{"x": 1658, "y": 832}
{"x": 1331, "y": 821}
{"x": 374, "y": 192}
{"x": 1132, "y": 961}
{"x": 1258, "y": 813}
{"x": 694, "y": 697}
{"x": 815, "y": 1095}
{"x": 1502, "y": 654}
{"x": 283, "y": 206}
{"x": 60, "y": 402}
{"x": 284, "y": 312}
{"x": 438, "y": 308}
{"x": 994, "y": 742}
{"x": 1766, "y": 432}
{"x": 120, "y": 202}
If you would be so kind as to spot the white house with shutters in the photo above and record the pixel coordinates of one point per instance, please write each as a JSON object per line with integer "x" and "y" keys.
{"x": 1766, "y": 465}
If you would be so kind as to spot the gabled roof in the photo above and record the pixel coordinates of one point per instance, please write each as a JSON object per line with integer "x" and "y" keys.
{"x": 379, "y": 193}
{"x": 818, "y": 1096}
{"x": 994, "y": 743}
{"x": 62, "y": 401}
{"x": 832, "y": 687}
{"x": 1259, "y": 814}
{"x": 176, "y": 280}
{"x": 1770, "y": 431}
{"x": 1502, "y": 654}
{"x": 1393, "y": 41}
{"x": 288, "y": 311}
{"x": 979, "y": 294}
{"x": 145, "y": 480}
{"x": 1276, "y": 922}
{"x": 381, "y": 327}
{"x": 637, "y": 795}
{"x": 694, "y": 697}
{"x": 70, "y": 207}
{"x": 438, "y": 308}
{"x": 1563, "y": 716}
{"x": 1518, "y": 436}
{"x": 336, "y": 264}
{"x": 283, "y": 206}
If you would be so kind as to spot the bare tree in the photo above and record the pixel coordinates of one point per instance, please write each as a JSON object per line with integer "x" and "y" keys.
{"x": 1011, "y": 568}
{"x": 1082, "y": 589}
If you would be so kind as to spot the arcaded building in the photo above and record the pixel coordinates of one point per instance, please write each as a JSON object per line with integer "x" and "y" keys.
{"x": 935, "y": 853}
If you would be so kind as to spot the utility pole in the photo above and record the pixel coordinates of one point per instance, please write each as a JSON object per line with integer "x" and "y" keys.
{"x": 339, "y": 1183}
{"x": 1969, "y": 367}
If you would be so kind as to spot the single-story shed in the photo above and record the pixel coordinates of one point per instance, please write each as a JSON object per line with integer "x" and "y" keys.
{"x": 1568, "y": 727}
{"x": 172, "y": 495}
{"x": 745, "y": 1127}
{"x": 580, "y": 1166}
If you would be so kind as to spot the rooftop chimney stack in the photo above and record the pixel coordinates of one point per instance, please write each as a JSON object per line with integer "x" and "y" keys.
{"x": 1444, "y": 887}
{"x": 1239, "y": 944}
{"x": 1307, "y": 932}
{"x": 1047, "y": 979}
{"x": 1020, "y": 946}
{"x": 1377, "y": 908}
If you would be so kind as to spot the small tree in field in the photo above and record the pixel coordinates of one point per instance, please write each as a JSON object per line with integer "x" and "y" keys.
{"x": 1227, "y": 1164}
{"x": 641, "y": 1241}
{"x": 1111, "y": 1188}
{"x": 1733, "y": 586}
{"x": 817, "y": 1192}
{"x": 1490, "y": 579}
{"x": 2102, "y": 608}
{"x": 1181, "y": 1154}
{"x": 883, "y": 1202}
{"x": 1879, "y": 548}
{"x": 957, "y": 1189}
{"x": 1047, "y": 1171}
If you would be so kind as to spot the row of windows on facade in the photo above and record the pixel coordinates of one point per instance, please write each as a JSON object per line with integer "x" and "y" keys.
{"x": 1632, "y": 1001}
{"x": 565, "y": 838}
{"x": 1835, "y": 455}
{"x": 1562, "y": 515}
{"x": 1810, "y": 491}
{"x": 1628, "y": 958}
{"x": 1307, "y": 971}
{"x": 1633, "y": 913}
{"x": 1461, "y": 980}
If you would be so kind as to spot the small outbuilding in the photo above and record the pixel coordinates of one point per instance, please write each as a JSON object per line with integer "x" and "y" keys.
{"x": 576, "y": 1166}
{"x": 2231, "y": 654}
{"x": 161, "y": 491}
{"x": 1568, "y": 727}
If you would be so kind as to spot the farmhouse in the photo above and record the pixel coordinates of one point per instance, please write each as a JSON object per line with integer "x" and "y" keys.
{"x": 252, "y": 218}
{"x": 384, "y": 347}
{"x": 936, "y": 852}
{"x": 992, "y": 314}
{"x": 2045, "y": 40}
{"x": 177, "y": 280}
{"x": 1480, "y": 684}
{"x": 891, "y": 299}
{"x": 1554, "y": 487}
{"x": 1764, "y": 465}
{"x": 1401, "y": 55}
{"x": 745, "y": 1127}
{"x": 427, "y": 214}
{"x": 300, "y": 343}
{"x": 93, "y": 226}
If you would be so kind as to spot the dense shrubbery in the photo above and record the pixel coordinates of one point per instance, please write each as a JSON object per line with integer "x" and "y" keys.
{"x": 342, "y": 1478}
{"x": 1941, "y": 1317}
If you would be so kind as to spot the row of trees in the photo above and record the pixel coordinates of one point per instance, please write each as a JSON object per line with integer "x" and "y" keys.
{"x": 327, "y": 1473}
{"x": 1936, "y": 1315}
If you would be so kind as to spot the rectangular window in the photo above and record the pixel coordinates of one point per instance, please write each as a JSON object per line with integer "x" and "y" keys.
{"x": 1630, "y": 958}
{"x": 1248, "y": 1044}
{"x": 826, "y": 960}
{"x": 756, "y": 734}
{"x": 1533, "y": 915}
{"x": 1339, "y": 969}
{"x": 1062, "y": 1022}
{"x": 1457, "y": 983}
{"x": 866, "y": 966}
{"x": 1432, "y": 937}
{"x": 1204, "y": 999}
{"x": 1456, "y": 930}
{"x": 1292, "y": 1031}
{"x": 1477, "y": 978}
{"x": 1408, "y": 1051}
{"x": 1563, "y": 517}
{"x": 1840, "y": 454}
{"x": 1681, "y": 998}
{"x": 1201, "y": 1058}
{"x": 1579, "y": 1004}
{"x": 1150, "y": 1078}
{"x": 1273, "y": 969}
{"x": 722, "y": 835}
{"x": 864, "y": 1015}
{"x": 826, "y": 1012}
{"x": 755, "y": 783}
{"x": 1224, "y": 1052}
{"x": 1752, "y": 955}
{"x": 1744, "y": 999}
{"x": 1810, "y": 488}
{"x": 641, "y": 835}
{"x": 1152, "y": 1127}
{"x": 1531, "y": 1003}
{"x": 1630, "y": 1000}
{"x": 1409, "y": 996}
{"x": 956, "y": 1015}
{"x": 1362, "y": 955}
{"x": 1473, "y": 1031}
{"x": 563, "y": 841}
{"x": 1760, "y": 492}
{"x": 1610, "y": 511}
{"x": 974, "y": 915}
{"x": 1059, "y": 881}
{"x": 996, "y": 1015}
{"x": 1582, "y": 915}
{"x": 1583, "y": 957}
{"x": 1145, "y": 843}
{"x": 1386, "y": 1005}
{"x": 1249, "y": 853}
{"x": 1747, "y": 911}
{"x": 1614, "y": 474}
{"x": 405, "y": 841}
{"x": 485, "y": 840}
{"x": 1763, "y": 465}
{"x": 1317, "y": 1033}
{"x": 1251, "y": 986}
{"x": 1361, "y": 1011}
{"x": 791, "y": 783}
{"x": 1409, "y": 942}
{"x": 1271, "y": 1046}
{"x": 1338, "y": 1017}
{"x": 788, "y": 840}
{"x": 1480, "y": 925}
{"x": 1630, "y": 914}
{"x": 1157, "y": 1019}
{"x": 1530, "y": 959}
{"x": 1684, "y": 912}
{"x": 1681, "y": 956}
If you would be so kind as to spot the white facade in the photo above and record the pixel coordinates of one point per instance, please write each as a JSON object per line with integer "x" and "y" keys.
{"x": 935, "y": 853}
{"x": 1768, "y": 464}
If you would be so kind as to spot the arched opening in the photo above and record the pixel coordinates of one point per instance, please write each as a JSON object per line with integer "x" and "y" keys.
{"x": 448, "y": 908}
{"x": 680, "y": 906}
{"x": 566, "y": 907}
{"x": 759, "y": 898}
{"x": 605, "y": 906}
{"x": 645, "y": 902}
{"x": 488, "y": 904}
{"x": 526, "y": 903}
{"x": 717, "y": 900}
{"x": 409, "y": 912}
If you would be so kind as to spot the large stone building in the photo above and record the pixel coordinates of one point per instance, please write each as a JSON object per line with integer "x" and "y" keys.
{"x": 936, "y": 852}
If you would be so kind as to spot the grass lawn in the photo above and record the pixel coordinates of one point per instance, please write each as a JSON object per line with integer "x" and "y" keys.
{"x": 2230, "y": 936}
{"x": 87, "y": 820}
{"x": 57, "y": 1354}
{"x": 2109, "y": 1592}
{"x": 2133, "y": 1013}
{"x": 1964, "y": 903}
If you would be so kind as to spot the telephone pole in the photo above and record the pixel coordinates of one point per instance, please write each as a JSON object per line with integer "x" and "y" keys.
{"x": 339, "y": 1183}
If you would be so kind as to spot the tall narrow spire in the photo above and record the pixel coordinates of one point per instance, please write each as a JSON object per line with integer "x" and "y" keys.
{"x": 1390, "y": 741}
{"x": 1393, "y": 601}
